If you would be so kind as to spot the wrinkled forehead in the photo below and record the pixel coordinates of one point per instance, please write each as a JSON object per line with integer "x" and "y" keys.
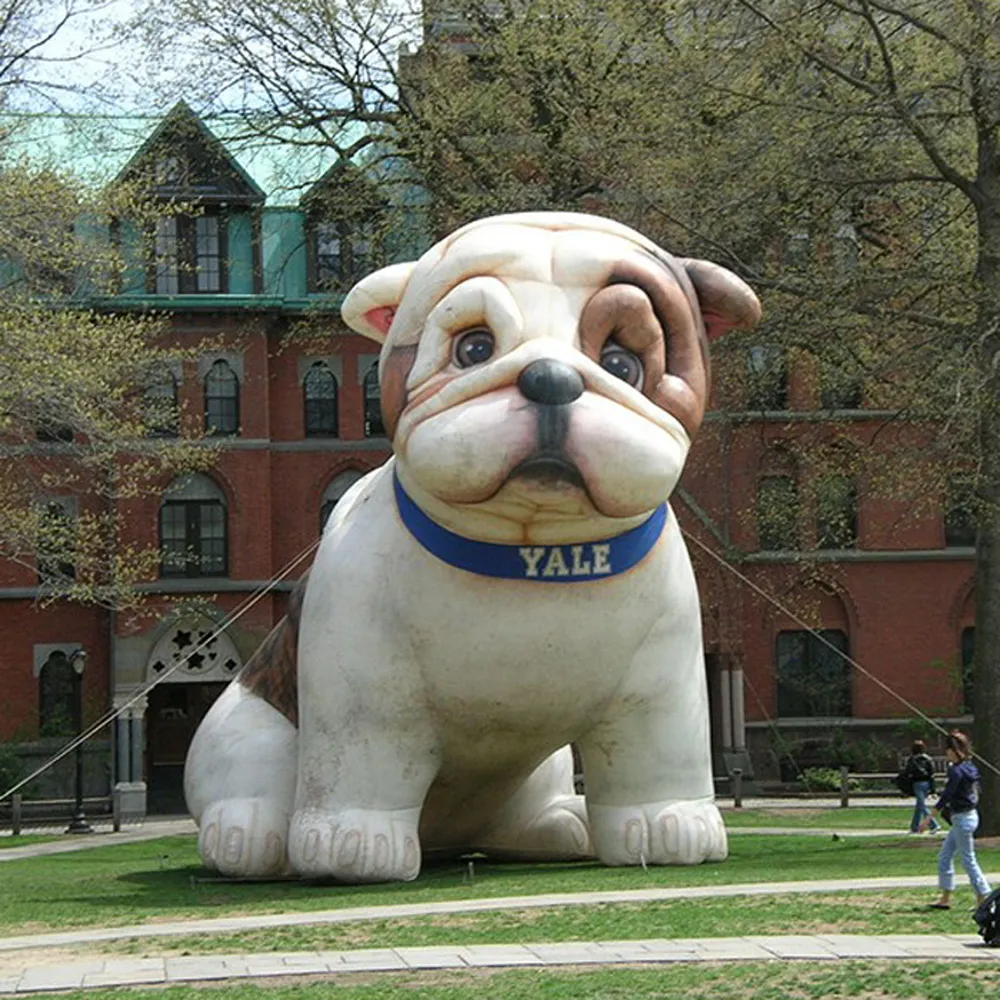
{"x": 572, "y": 259}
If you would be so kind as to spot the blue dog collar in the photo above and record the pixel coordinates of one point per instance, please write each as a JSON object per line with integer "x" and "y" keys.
{"x": 541, "y": 563}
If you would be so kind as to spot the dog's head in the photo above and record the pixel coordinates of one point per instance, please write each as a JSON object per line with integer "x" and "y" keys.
{"x": 542, "y": 375}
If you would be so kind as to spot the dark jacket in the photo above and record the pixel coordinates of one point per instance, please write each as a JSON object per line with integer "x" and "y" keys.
{"x": 920, "y": 767}
{"x": 961, "y": 793}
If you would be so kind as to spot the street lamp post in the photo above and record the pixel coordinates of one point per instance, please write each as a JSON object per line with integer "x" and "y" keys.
{"x": 78, "y": 661}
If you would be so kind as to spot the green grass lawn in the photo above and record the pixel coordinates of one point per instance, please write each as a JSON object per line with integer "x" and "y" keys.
{"x": 163, "y": 879}
{"x": 26, "y": 839}
{"x": 895, "y": 818}
{"x": 739, "y": 981}
{"x": 895, "y": 912}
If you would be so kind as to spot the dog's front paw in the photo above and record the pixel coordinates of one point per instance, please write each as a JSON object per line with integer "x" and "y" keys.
{"x": 244, "y": 837}
{"x": 356, "y": 845}
{"x": 673, "y": 833}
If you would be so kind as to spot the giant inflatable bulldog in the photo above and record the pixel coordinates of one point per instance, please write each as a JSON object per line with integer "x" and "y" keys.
{"x": 510, "y": 582}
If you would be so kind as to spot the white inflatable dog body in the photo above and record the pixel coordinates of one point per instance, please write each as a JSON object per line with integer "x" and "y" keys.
{"x": 510, "y": 582}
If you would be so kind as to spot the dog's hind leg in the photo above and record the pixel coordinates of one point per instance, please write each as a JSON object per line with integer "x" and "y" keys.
{"x": 239, "y": 782}
{"x": 544, "y": 819}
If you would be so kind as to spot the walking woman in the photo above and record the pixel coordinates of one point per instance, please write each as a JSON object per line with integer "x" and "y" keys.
{"x": 959, "y": 801}
{"x": 920, "y": 769}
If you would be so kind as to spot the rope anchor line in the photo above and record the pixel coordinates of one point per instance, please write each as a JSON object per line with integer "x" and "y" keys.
{"x": 241, "y": 609}
{"x": 262, "y": 592}
{"x": 743, "y": 578}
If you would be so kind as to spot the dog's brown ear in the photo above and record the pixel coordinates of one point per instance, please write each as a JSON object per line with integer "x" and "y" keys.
{"x": 727, "y": 301}
{"x": 370, "y": 306}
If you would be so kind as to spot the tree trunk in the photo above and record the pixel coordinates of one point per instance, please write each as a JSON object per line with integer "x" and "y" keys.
{"x": 986, "y": 680}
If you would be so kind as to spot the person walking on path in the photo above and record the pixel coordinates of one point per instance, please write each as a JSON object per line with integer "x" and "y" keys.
{"x": 920, "y": 769}
{"x": 958, "y": 803}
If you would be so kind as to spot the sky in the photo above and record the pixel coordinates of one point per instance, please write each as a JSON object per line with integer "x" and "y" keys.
{"x": 80, "y": 57}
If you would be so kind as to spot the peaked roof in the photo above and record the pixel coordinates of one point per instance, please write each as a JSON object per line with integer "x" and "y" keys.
{"x": 182, "y": 127}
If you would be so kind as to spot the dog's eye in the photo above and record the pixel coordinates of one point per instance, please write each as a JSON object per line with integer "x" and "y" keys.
{"x": 622, "y": 364}
{"x": 474, "y": 347}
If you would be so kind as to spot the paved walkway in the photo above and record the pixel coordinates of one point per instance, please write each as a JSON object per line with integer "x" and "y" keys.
{"x": 190, "y": 968}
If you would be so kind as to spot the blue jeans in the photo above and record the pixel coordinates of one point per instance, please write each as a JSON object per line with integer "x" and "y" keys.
{"x": 963, "y": 826}
{"x": 921, "y": 789}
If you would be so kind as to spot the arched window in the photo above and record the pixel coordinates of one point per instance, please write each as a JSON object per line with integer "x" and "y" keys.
{"x": 56, "y": 545}
{"x": 777, "y": 513}
{"x": 960, "y": 514}
{"x": 222, "y": 400}
{"x": 56, "y": 706}
{"x": 767, "y": 373}
{"x": 160, "y": 403}
{"x": 320, "y": 394}
{"x": 814, "y": 679}
{"x": 836, "y": 512}
{"x": 373, "y": 404}
{"x": 339, "y": 485}
{"x": 968, "y": 654}
{"x": 840, "y": 389}
{"x": 193, "y": 529}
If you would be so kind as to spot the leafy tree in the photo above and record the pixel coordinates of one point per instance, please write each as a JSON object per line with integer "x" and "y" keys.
{"x": 843, "y": 155}
{"x": 77, "y": 410}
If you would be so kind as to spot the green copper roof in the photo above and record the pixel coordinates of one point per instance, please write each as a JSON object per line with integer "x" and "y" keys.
{"x": 97, "y": 148}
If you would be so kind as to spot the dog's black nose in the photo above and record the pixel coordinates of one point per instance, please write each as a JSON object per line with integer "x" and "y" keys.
{"x": 550, "y": 382}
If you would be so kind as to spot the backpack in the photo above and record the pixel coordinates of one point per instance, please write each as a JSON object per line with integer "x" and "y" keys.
{"x": 987, "y": 916}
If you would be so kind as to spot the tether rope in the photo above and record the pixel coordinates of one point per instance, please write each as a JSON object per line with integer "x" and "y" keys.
{"x": 743, "y": 578}
{"x": 234, "y": 616}
{"x": 250, "y": 601}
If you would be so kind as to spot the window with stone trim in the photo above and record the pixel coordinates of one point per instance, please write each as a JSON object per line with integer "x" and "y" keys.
{"x": 194, "y": 529}
{"x": 319, "y": 392}
{"x": 813, "y": 678}
{"x": 56, "y": 704}
{"x": 339, "y": 485}
{"x": 968, "y": 663}
{"x": 374, "y": 427}
{"x": 836, "y": 512}
{"x": 767, "y": 378}
{"x": 222, "y": 399}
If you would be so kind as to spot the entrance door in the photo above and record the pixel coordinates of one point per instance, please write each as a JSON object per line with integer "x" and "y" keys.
{"x": 174, "y": 712}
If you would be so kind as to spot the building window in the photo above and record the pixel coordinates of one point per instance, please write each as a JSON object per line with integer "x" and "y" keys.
{"x": 836, "y": 512}
{"x": 193, "y": 530}
{"x": 968, "y": 667}
{"x": 813, "y": 678}
{"x": 373, "y": 404}
{"x": 161, "y": 404}
{"x": 332, "y": 494}
{"x": 222, "y": 400}
{"x": 342, "y": 252}
{"x": 52, "y": 431}
{"x": 320, "y": 396}
{"x": 56, "y": 543}
{"x": 960, "y": 515}
{"x": 777, "y": 514}
{"x": 56, "y": 706}
{"x": 188, "y": 255}
{"x": 767, "y": 378}
{"x": 839, "y": 390}
{"x": 796, "y": 250}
